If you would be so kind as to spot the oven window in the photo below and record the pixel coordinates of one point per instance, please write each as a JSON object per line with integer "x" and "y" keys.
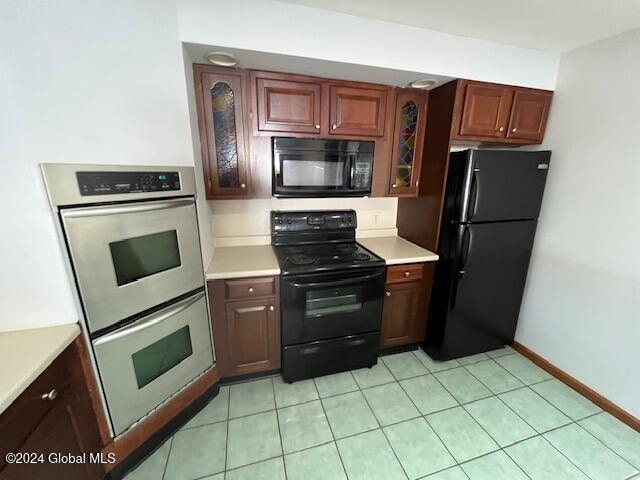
{"x": 333, "y": 301}
{"x": 161, "y": 356}
{"x": 139, "y": 257}
{"x": 328, "y": 172}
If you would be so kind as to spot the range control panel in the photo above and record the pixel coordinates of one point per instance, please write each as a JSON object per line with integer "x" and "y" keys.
{"x": 110, "y": 183}
{"x": 282, "y": 222}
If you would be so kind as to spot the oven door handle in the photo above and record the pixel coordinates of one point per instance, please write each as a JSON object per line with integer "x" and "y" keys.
{"x": 150, "y": 320}
{"x": 130, "y": 208}
{"x": 336, "y": 283}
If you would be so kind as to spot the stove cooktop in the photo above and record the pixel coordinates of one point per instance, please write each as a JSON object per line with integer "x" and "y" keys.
{"x": 324, "y": 256}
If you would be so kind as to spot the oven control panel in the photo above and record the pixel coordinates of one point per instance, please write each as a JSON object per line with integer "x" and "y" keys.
{"x": 110, "y": 183}
{"x": 312, "y": 221}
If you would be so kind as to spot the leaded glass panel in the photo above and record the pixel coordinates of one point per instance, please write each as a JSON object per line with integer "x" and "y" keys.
{"x": 225, "y": 135}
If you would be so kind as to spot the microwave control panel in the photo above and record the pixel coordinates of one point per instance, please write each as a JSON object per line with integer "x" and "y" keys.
{"x": 361, "y": 175}
{"x": 110, "y": 183}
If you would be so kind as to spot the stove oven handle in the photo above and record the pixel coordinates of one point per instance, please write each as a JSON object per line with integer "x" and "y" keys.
{"x": 337, "y": 283}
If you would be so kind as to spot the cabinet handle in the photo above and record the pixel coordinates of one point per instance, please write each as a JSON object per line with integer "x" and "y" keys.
{"x": 407, "y": 274}
{"x": 501, "y": 129}
{"x": 250, "y": 289}
{"x": 52, "y": 395}
{"x": 514, "y": 130}
{"x": 388, "y": 294}
{"x": 394, "y": 185}
{"x": 243, "y": 185}
{"x": 271, "y": 308}
{"x": 334, "y": 126}
{"x": 318, "y": 126}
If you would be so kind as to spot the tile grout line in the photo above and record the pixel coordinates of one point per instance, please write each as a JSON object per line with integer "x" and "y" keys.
{"x": 335, "y": 443}
{"x": 166, "y": 462}
{"x": 428, "y": 424}
{"x": 275, "y": 403}
{"x": 226, "y": 451}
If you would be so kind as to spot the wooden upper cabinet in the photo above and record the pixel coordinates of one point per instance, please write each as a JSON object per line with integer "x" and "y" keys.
{"x": 287, "y": 105}
{"x": 223, "y": 133}
{"x": 357, "y": 111}
{"x": 529, "y": 115}
{"x": 485, "y": 111}
{"x": 493, "y": 113}
{"x": 408, "y": 141}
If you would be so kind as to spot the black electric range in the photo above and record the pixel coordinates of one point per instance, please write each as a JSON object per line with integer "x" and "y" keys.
{"x": 331, "y": 293}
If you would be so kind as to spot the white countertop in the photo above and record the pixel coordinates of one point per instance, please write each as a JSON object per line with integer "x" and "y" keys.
{"x": 397, "y": 250}
{"x": 25, "y": 354}
{"x": 241, "y": 262}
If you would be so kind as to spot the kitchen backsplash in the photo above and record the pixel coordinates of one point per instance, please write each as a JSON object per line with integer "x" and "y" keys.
{"x": 236, "y": 222}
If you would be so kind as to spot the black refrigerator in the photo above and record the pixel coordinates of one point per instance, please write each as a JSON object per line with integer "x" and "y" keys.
{"x": 491, "y": 205}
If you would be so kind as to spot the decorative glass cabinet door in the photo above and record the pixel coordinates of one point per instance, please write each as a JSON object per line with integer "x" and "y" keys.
{"x": 408, "y": 141}
{"x": 225, "y": 155}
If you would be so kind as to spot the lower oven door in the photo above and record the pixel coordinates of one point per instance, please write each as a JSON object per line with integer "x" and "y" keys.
{"x": 144, "y": 363}
{"x": 327, "y": 305}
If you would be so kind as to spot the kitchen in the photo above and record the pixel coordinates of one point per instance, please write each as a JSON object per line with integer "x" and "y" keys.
{"x": 294, "y": 111}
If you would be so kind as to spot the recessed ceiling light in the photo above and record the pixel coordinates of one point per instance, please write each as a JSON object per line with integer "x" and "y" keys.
{"x": 423, "y": 83}
{"x": 222, "y": 59}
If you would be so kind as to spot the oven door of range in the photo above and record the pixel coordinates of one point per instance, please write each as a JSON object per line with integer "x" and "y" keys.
{"x": 144, "y": 363}
{"x": 128, "y": 258}
{"x": 327, "y": 305}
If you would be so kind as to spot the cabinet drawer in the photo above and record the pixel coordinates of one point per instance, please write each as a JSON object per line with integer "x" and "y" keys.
{"x": 250, "y": 287}
{"x": 405, "y": 273}
{"x": 328, "y": 356}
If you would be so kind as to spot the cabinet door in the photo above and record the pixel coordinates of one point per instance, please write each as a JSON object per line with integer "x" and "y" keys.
{"x": 357, "y": 111}
{"x": 408, "y": 140}
{"x": 252, "y": 336}
{"x": 401, "y": 315}
{"x": 55, "y": 434}
{"x": 529, "y": 115}
{"x": 222, "y": 131}
{"x": 485, "y": 110}
{"x": 288, "y": 106}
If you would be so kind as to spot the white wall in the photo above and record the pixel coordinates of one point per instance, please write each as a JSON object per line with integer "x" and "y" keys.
{"x": 90, "y": 82}
{"x": 276, "y": 27}
{"x": 251, "y": 218}
{"x": 581, "y": 309}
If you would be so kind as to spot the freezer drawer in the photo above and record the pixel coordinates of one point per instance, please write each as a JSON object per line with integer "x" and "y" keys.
{"x": 329, "y": 356}
{"x": 144, "y": 363}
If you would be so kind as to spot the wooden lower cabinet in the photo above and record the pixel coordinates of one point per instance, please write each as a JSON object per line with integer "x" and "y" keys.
{"x": 407, "y": 293}
{"x": 54, "y": 420}
{"x": 246, "y": 325}
{"x": 251, "y": 333}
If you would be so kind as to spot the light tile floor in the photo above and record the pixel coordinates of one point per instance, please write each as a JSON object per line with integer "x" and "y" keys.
{"x": 485, "y": 417}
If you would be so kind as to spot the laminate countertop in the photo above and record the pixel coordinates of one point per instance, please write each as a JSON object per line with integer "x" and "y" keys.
{"x": 397, "y": 250}
{"x": 241, "y": 262}
{"x": 25, "y": 354}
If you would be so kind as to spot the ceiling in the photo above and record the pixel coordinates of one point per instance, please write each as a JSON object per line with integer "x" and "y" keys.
{"x": 549, "y": 25}
{"x": 309, "y": 66}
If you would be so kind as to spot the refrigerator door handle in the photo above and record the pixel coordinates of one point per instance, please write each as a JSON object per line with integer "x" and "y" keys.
{"x": 474, "y": 196}
{"x": 465, "y": 246}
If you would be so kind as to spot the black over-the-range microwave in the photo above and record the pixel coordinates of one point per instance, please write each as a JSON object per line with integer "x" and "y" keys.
{"x": 307, "y": 167}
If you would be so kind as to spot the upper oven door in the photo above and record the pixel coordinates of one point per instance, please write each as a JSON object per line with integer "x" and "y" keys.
{"x": 327, "y": 305}
{"x": 144, "y": 363}
{"x": 131, "y": 257}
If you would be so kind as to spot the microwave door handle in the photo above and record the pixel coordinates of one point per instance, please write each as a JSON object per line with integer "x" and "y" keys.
{"x": 337, "y": 283}
{"x": 123, "y": 209}
{"x": 352, "y": 170}
{"x": 276, "y": 164}
{"x": 150, "y": 320}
